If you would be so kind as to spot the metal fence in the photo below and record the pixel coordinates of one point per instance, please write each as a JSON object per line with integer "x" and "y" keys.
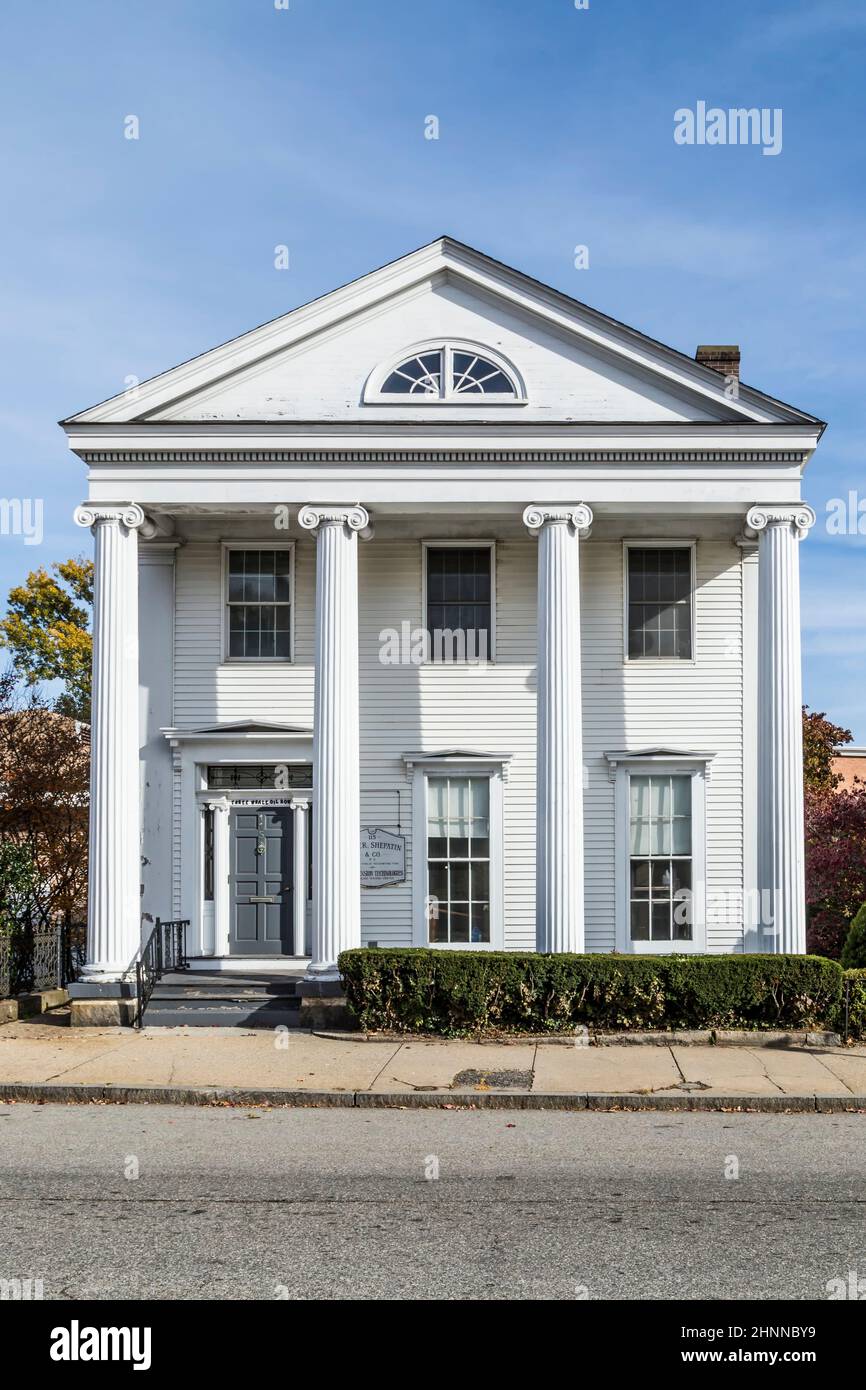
{"x": 47, "y": 955}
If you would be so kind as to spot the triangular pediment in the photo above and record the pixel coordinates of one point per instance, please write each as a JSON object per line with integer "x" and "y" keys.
{"x": 314, "y": 364}
{"x": 239, "y": 728}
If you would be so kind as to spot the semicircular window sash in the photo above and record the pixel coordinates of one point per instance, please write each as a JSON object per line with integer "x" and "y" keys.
{"x": 419, "y": 376}
{"x": 473, "y": 375}
{"x": 446, "y": 375}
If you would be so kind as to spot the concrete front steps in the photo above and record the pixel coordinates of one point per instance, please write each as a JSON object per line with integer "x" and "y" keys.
{"x": 224, "y": 999}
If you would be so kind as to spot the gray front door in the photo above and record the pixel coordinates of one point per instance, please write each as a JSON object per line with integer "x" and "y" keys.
{"x": 260, "y": 882}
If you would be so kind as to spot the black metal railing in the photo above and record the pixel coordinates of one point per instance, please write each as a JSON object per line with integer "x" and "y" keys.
{"x": 165, "y": 949}
{"x": 40, "y": 954}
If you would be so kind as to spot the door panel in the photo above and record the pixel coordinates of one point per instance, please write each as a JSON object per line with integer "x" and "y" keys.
{"x": 261, "y": 881}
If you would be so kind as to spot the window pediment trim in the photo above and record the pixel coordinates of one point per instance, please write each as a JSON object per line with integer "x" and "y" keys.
{"x": 635, "y": 759}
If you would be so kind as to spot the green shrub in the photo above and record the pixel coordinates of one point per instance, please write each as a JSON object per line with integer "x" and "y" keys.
{"x": 854, "y": 951}
{"x": 462, "y": 993}
{"x": 851, "y": 1018}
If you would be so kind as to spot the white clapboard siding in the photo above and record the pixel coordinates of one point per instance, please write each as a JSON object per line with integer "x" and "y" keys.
{"x": 696, "y": 707}
{"x": 406, "y": 708}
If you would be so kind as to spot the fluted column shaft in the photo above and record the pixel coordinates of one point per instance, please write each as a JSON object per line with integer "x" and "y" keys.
{"x": 336, "y": 742}
{"x": 781, "y": 856}
{"x": 114, "y": 902}
{"x": 559, "y": 870}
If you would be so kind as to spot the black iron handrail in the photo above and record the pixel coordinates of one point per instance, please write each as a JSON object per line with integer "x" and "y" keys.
{"x": 165, "y": 949}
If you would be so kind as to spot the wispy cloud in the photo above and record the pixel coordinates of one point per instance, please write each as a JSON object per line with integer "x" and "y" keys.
{"x": 828, "y": 19}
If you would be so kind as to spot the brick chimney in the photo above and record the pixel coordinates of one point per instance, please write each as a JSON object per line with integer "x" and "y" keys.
{"x": 723, "y": 359}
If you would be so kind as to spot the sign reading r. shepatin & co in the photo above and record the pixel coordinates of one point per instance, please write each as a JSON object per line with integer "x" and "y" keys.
{"x": 383, "y": 857}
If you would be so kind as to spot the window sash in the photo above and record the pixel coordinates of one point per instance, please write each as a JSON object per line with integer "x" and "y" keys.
{"x": 208, "y": 831}
{"x": 448, "y": 373}
{"x": 458, "y": 865}
{"x": 259, "y": 603}
{"x": 660, "y": 864}
{"x": 659, "y": 602}
{"x": 458, "y": 600}
{"x": 269, "y": 777}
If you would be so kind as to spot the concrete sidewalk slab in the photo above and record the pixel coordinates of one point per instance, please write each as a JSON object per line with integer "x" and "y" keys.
{"x": 849, "y": 1066}
{"x": 725, "y": 1070}
{"x": 291, "y": 1060}
{"x": 435, "y": 1065}
{"x": 801, "y": 1073}
{"x": 607, "y": 1069}
{"x": 180, "y": 1057}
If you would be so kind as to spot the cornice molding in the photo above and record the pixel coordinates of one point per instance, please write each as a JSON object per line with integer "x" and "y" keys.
{"x": 495, "y": 457}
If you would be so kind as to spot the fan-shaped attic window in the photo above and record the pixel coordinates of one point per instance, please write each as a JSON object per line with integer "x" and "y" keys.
{"x": 447, "y": 372}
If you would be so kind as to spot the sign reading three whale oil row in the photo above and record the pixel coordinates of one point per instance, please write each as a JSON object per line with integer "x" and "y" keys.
{"x": 383, "y": 857}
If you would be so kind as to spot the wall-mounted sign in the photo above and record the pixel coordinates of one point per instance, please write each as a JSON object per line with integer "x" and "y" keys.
{"x": 261, "y": 801}
{"x": 383, "y": 857}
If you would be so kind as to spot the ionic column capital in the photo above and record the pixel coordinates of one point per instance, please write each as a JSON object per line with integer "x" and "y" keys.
{"x": 797, "y": 515}
{"x": 578, "y": 517}
{"x": 128, "y": 514}
{"x": 217, "y": 803}
{"x": 355, "y": 517}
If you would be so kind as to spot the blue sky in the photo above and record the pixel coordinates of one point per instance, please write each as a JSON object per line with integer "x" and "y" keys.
{"x": 305, "y": 126}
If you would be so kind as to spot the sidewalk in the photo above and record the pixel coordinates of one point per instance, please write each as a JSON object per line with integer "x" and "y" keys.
{"x": 43, "y": 1061}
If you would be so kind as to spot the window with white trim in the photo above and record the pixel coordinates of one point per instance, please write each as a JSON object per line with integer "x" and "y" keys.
{"x": 659, "y": 584}
{"x": 661, "y": 850}
{"x": 459, "y": 601}
{"x": 258, "y": 603}
{"x": 449, "y": 371}
{"x": 660, "y": 857}
{"x": 458, "y": 859}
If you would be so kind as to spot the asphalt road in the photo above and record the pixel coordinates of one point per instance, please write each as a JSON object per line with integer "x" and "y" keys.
{"x": 299, "y": 1204}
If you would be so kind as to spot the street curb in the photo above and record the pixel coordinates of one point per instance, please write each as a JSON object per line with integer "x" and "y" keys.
{"x": 688, "y": 1037}
{"x": 48, "y": 1093}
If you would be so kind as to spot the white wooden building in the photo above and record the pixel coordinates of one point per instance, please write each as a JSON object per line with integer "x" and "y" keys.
{"x": 447, "y": 566}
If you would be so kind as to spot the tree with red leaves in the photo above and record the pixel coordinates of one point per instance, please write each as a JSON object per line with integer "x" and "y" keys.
{"x": 835, "y": 838}
{"x": 44, "y": 773}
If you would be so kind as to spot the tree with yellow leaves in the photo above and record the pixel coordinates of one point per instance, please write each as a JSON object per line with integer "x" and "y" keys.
{"x": 47, "y": 631}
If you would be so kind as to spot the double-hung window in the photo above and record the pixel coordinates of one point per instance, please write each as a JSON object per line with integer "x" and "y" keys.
{"x": 660, "y": 858}
{"x": 659, "y": 588}
{"x": 459, "y": 602}
{"x": 458, "y": 860}
{"x": 259, "y": 603}
{"x": 661, "y": 850}
{"x": 457, "y": 848}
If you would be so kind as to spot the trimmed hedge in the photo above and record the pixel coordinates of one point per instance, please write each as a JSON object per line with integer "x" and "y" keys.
{"x": 853, "y": 955}
{"x": 462, "y": 993}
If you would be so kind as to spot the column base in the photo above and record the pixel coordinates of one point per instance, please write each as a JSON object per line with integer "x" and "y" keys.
{"x": 102, "y": 987}
{"x": 100, "y": 1002}
{"x": 102, "y": 1013}
{"x": 323, "y": 1004}
{"x": 321, "y": 974}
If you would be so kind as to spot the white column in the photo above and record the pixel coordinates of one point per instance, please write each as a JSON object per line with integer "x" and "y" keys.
{"x": 559, "y": 792}
{"x": 114, "y": 899}
{"x": 299, "y": 942}
{"x": 781, "y": 877}
{"x": 336, "y": 745}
